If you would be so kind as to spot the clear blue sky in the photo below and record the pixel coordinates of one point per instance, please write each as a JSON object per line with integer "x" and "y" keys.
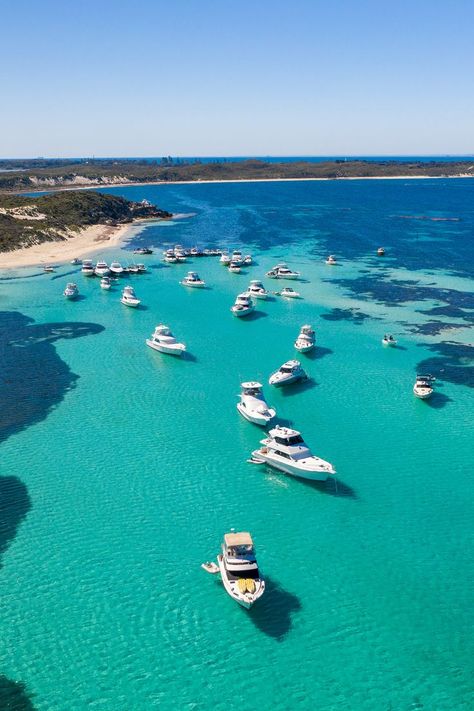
{"x": 216, "y": 77}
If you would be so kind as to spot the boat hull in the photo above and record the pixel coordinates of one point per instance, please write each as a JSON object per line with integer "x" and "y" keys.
{"x": 165, "y": 349}
{"x": 289, "y": 469}
{"x": 305, "y": 349}
{"x": 286, "y": 381}
{"x": 133, "y": 304}
{"x": 241, "y": 312}
{"x": 199, "y": 285}
{"x": 246, "y": 600}
{"x": 256, "y": 419}
{"x": 422, "y": 395}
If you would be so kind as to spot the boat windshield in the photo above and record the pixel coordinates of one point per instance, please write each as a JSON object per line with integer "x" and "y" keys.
{"x": 290, "y": 440}
{"x": 240, "y": 551}
{"x": 286, "y": 369}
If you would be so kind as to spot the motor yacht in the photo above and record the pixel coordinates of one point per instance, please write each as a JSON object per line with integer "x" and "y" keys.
{"x": 71, "y": 291}
{"x": 236, "y": 257}
{"x": 180, "y": 253}
{"x": 224, "y": 259}
{"x": 288, "y": 373}
{"x": 87, "y": 267}
{"x": 252, "y": 405}
{"x": 48, "y": 268}
{"x": 247, "y": 260}
{"x": 76, "y": 261}
{"x": 129, "y": 297}
{"x": 105, "y": 283}
{"x": 388, "y": 340}
{"x": 193, "y": 279}
{"x": 169, "y": 256}
{"x": 257, "y": 290}
{"x": 163, "y": 340}
{"x": 132, "y": 268}
{"x": 281, "y": 271}
{"x": 101, "y": 269}
{"x": 116, "y": 268}
{"x": 285, "y": 449}
{"x": 243, "y": 305}
{"x": 289, "y": 293}
{"x": 380, "y": 251}
{"x": 234, "y": 268}
{"x": 423, "y": 387}
{"x": 143, "y": 250}
{"x": 306, "y": 339}
{"x": 141, "y": 268}
{"x": 239, "y": 570}
{"x": 331, "y": 260}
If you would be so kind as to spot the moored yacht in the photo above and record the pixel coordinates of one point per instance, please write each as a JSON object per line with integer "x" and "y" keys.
{"x": 281, "y": 271}
{"x": 247, "y": 260}
{"x": 105, "y": 283}
{"x": 423, "y": 387}
{"x": 76, "y": 260}
{"x": 129, "y": 298}
{"x": 236, "y": 257}
{"x": 285, "y": 449}
{"x": 224, "y": 259}
{"x": 116, "y": 268}
{"x": 234, "y": 268}
{"x": 257, "y": 290}
{"x": 289, "y": 293}
{"x": 143, "y": 250}
{"x": 101, "y": 269}
{"x": 169, "y": 256}
{"x": 87, "y": 267}
{"x": 388, "y": 340}
{"x": 163, "y": 340}
{"x": 193, "y": 279}
{"x": 253, "y": 406}
{"x": 331, "y": 260}
{"x": 71, "y": 291}
{"x": 239, "y": 570}
{"x": 306, "y": 339}
{"x": 288, "y": 373}
{"x": 380, "y": 251}
{"x": 243, "y": 305}
{"x": 180, "y": 253}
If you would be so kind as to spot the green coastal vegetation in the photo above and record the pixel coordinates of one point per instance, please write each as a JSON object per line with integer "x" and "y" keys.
{"x": 25, "y": 221}
{"x": 19, "y": 175}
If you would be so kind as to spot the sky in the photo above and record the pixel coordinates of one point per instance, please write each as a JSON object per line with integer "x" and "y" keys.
{"x": 208, "y": 77}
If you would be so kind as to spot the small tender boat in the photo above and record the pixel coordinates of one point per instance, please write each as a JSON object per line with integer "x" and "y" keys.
{"x": 331, "y": 260}
{"x": 129, "y": 297}
{"x": 243, "y": 305}
{"x": 247, "y": 260}
{"x": 257, "y": 290}
{"x": 234, "y": 268}
{"x": 388, "y": 340}
{"x": 193, "y": 279}
{"x": 71, "y": 291}
{"x": 101, "y": 269}
{"x": 105, "y": 283}
{"x": 380, "y": 251}
{"x": 224, "y": 259}
{"x": 281, "y": 271}
{"x": 252, "y": 405}
{"x": 285, "y": 449}
{"x": 76, "y": 261}
{"x": 306, "y": 339}
{"x": 48, "y": 268}
{"x": 116, "y": 269}
{"x": 423, "y": 387}
{"x": 210, "y": 567}
{"x": 289, "y": 293}
{"x": 239, "y": 570}
{"x": 87, "y": 267}
{"x": 163, "y": 340}
{"x": 288, "y": 373}
{"x": 143, "y": 250}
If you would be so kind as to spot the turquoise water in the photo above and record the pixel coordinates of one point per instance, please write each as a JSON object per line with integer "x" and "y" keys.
{"x": 121, "y": 468}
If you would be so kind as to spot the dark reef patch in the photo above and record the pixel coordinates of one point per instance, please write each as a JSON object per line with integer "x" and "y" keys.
{"x": 14, "y": 506}
{"x": 450, "y": 312}
{"x": 433, "y": 328}
{"x": 454, "y": 363}
{"x": 14, "y": 696}
{"x": 356, "y": 316}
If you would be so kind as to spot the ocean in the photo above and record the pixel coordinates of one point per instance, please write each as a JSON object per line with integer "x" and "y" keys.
{"x": 122, "y": 468}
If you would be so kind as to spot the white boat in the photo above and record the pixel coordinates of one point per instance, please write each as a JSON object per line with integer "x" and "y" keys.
{"x": 234, "y": 268}
{"x": 193, "y": 279}
{"x": 257, "y": 290}
{"x": 380, "y": 251}
{"x": 129, "y": 298}
{"x": 76, "y": 261}
{"x": 116, "y": 268}
{"x": 169, "y": 256}
{"x": 105, "y": 283}
{"x": 306, "y": 339}
{"x": 388, "y": 340}
{"x": 143, "y": 250}
{"x": 281, "y": 271}
{"x": 239, "y": 569}
{"x": 289, "y": 372}
{"x": 247, "y": 260}
{"x": 87, "y": 267}
{"x": 48, "y": 268}
{"x": 285, "y": 449}
{"x": 252, "y": 405}
{"x": 141, "y": 268}
{"x": 289, "y": 293}
{"x": 423, "y": 387}
{"x": 163, "y": 340}
{"x": 180, "y": 253}
{"x": 236, "y": 257}
{"x": 71, "y": 291}
{"x": 331, "y": 260}
{"x": 243, "y": 305}
{"x": 101, "y": 269}
{"x": 224, "y": 259}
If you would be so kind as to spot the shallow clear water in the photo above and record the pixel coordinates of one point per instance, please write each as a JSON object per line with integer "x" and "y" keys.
{"x": 121, "y": 468}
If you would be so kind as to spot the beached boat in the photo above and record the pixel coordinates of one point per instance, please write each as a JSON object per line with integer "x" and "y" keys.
{"x": 129, "y": 298}
{"x": 388, "y": 340}
{"x": 87, "y": 267}
{"x": 243, "y": 305}
{"x": 288, "y": 373}
{"x": 247, "y": 260}
{"x": 285, "y": 449}
{"x": 281, "y": 271}
{"x": 71, "y": 291}
{"x": 253, "y": 406}
{"x": 163, "y": 340}
{"x": 306, "y": 339}
{"x": 193, "y": 279}
{"x": 239, "y": 569}
{"x": 257, "y": 290}
{"x": 236, "y": 257}
{"x": 423, "y": 387}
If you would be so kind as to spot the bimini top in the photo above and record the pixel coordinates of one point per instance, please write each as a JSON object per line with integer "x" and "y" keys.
{"x": 252, "y": 385}
{"x": 243, "y": 538}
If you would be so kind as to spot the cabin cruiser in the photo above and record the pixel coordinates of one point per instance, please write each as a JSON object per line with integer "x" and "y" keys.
{"x": 87, "y": 267}
{"x": 234, "y": 268}
{"x": 289, "y": 293}
{"x": 116, "y": 268}
{"x": 101, "y": 269}
{"x": 247, "y": 260}
{"x": 236, "y": 257}
{"x": 132, "y": 268}
{"x": 423, "y": 387}
{"x": 253, "y": 406}
{"x": 225, "y": 259}
{"x": 71, "y": 291}
{"x": 163, "y": 340}
{"x": 306, "y": 339}
{"x": 285, "y": 449}
{"x": 388, "y": 340}
{"x": 129, "y": 298}
{"x": 380, "y": 251}
{"x": 257, "y": 290}
{"x": 169, "y": 256}
{"x": 193, "y": 279}
{"x": 180, "y": 253}
{"x": 281, "y": 271}
{"x": 243, "y": 305}
{"x": 331, "y": 259}
{"x": 105, "y": 283}
{"x": 141, "y": 268}
{"x": 143, "y": 250}
{"x": 196, "y": 252}
{"x": 239, "y": 570}
{"x": 288, "y": 373}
